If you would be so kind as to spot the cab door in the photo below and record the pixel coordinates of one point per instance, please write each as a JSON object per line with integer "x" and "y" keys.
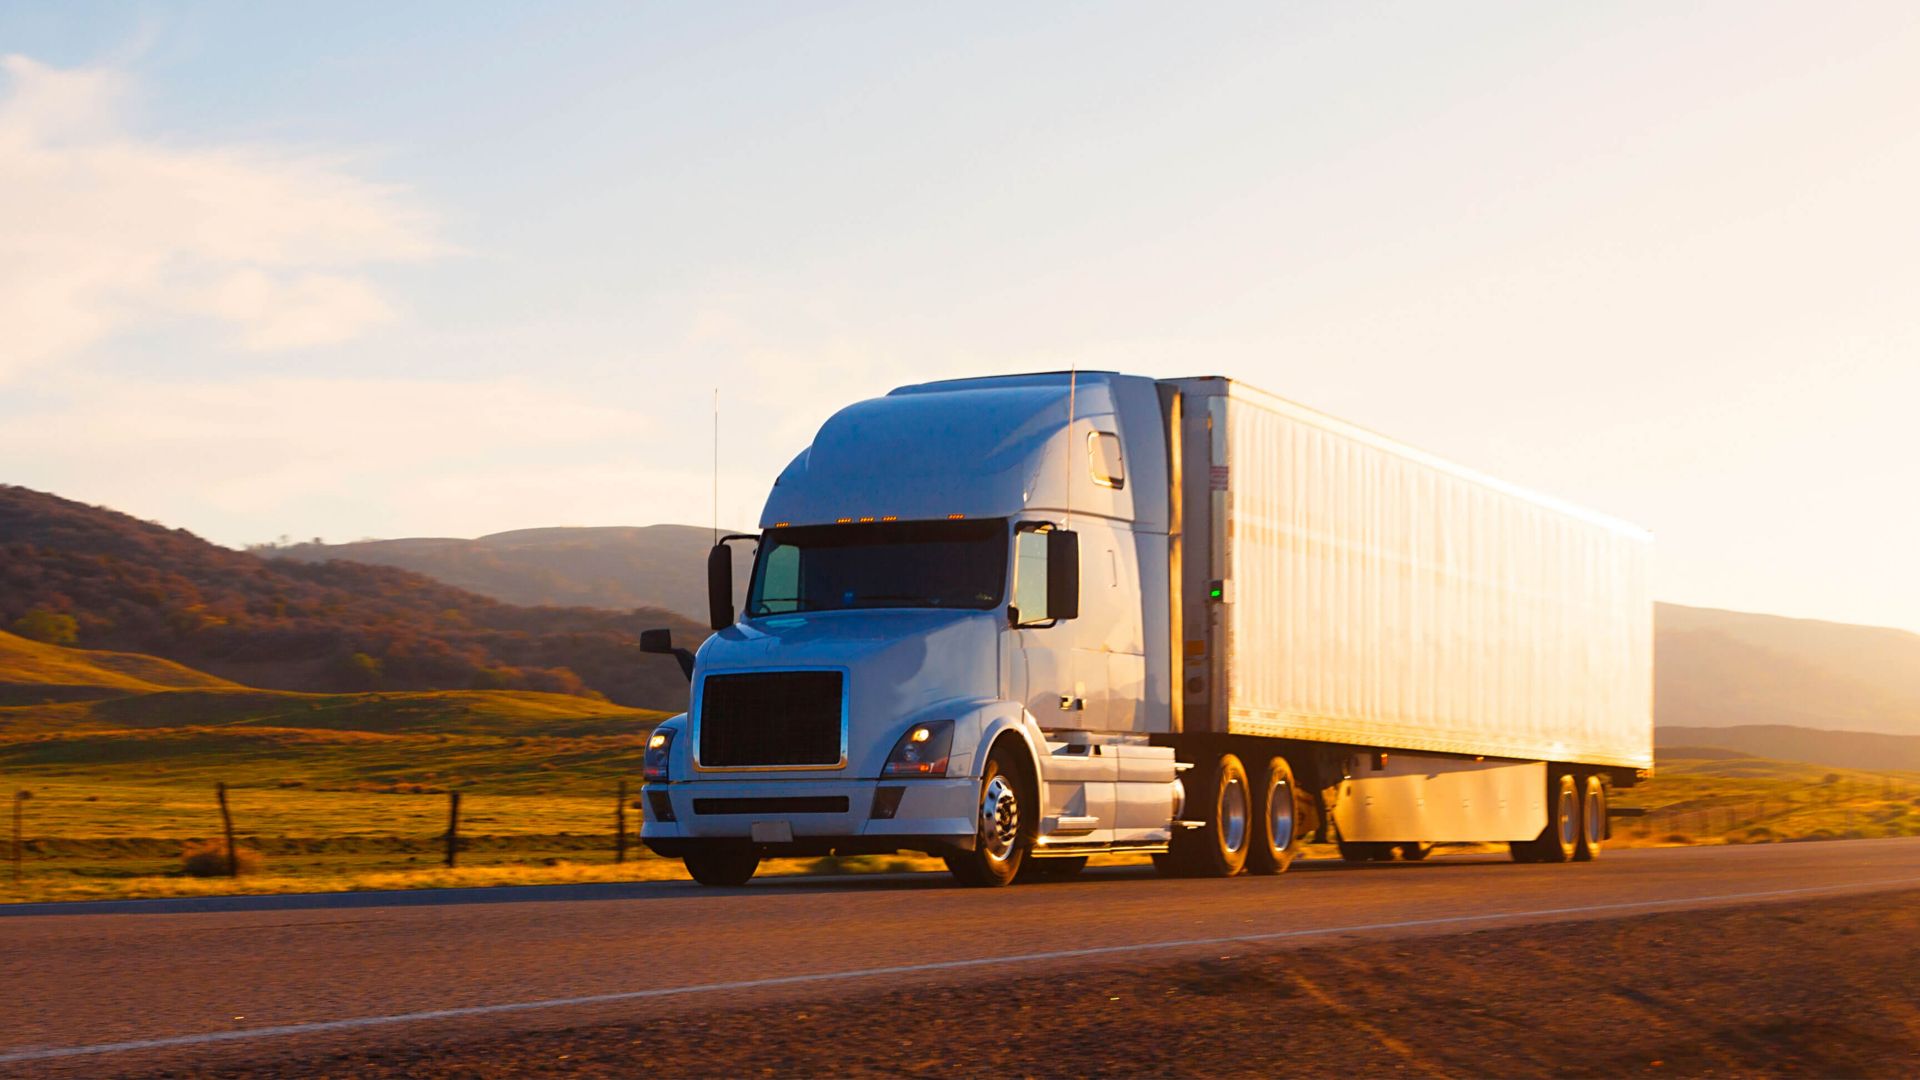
{"x": 1056, "y": 691}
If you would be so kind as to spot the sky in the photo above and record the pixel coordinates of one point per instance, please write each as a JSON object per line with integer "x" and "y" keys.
{"x": 355, "y": 270}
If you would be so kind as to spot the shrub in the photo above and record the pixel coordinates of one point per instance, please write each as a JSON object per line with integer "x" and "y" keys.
{"x": 208, "y": 858}
{"x": 51, "y": 627}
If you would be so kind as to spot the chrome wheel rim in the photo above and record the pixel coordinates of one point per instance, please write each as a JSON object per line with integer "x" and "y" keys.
{"x": 1233, "y": 815}
{"x": 1596, "y": 812}
{"x": 1280, "y": 816}
{"x": 1569, "y": 819}
{"x": 999, "y": 819}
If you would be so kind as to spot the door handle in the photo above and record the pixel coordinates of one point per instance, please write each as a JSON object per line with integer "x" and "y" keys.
{"x": 1073, "y": 704}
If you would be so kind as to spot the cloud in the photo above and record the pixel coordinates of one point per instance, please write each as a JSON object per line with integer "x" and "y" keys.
{"x": 102, "y": 230}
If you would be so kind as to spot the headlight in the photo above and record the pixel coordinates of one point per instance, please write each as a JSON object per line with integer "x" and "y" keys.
{"x": 654, "y": 766}
{"x": 922, "y": 751}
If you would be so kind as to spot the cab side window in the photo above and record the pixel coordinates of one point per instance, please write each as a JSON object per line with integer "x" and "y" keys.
{"x": 1029, "y": 577}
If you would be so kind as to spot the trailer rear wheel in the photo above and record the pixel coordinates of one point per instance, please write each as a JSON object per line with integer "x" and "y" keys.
{"x": 1224, "y": 799}
{"x": 1593, "y": 819}
{"x": 1557, "y": 842}
{"x": 1276, "y": 817}
{"x": 722, "y": 867}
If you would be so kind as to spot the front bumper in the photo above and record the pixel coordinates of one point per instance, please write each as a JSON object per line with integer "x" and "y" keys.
{"x": 824, "y": 817}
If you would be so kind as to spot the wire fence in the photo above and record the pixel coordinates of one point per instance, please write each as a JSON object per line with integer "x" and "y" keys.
{"x": 1833, "y": 806}
{"x": 222, "y": 843}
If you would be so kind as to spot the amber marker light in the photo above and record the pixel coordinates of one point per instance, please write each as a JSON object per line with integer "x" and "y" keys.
{"x": 955, "y": 517}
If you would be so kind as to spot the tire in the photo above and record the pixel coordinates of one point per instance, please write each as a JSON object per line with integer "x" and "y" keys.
{"x": 1053, "y": 869}
{"x": 1593, "y": 819}
{"x": 1557, "y": 842}
{"x": 1005, "y": 824}
{"x": 722, "y": 867}
{"x": 1414, "y": 852}
{"x": 1223, "y": 797}
{"x": 1276, "y": 819}
{"x": 1359, "y": 851}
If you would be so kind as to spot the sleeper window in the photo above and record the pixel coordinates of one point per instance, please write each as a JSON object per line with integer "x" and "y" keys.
{"x": 1103, "y": 459}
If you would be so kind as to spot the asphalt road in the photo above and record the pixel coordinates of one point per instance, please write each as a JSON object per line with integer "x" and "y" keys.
{"x": 94, "y": 989}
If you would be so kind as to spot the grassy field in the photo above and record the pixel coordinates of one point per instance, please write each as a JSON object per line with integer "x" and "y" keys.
{"x": 108, "y": 832}
{"x": 349, "y": 791}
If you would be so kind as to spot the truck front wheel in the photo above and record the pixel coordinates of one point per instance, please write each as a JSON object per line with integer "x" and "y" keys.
{"x": 1005, "y": 825}
{"x": 722, "y": 866}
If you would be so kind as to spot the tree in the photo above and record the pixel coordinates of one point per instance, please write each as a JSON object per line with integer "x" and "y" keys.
{"x": 51, "y": 627}
{"x": 363, "y": 670}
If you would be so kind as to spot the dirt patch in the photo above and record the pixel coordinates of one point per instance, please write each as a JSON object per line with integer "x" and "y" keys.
{"x": 1825, "y": 989}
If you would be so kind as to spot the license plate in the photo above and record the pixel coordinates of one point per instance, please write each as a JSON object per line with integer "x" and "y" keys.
{"x": 773, "y": 832}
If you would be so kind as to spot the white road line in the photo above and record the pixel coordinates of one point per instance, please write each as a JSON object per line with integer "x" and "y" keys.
{"x": 361, "y": 1022}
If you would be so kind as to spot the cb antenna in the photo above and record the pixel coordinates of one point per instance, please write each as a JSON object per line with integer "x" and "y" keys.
{"x": 1073, "y": 383}
{"x": 716, "y": 465}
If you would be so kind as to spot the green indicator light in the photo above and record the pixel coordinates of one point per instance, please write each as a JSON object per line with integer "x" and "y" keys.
{"x": 1214, "y": 593}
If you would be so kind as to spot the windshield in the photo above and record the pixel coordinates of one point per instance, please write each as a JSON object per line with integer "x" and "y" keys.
{"x": 907, "y": 564}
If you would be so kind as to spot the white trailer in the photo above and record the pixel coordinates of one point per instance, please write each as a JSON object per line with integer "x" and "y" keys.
{"x": 1016, "y": 621}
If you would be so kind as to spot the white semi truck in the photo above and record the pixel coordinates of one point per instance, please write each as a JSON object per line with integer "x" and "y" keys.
{"x": 1016, "y": 621}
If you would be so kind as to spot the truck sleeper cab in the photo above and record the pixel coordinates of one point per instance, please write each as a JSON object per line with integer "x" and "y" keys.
{"x": 1016, "y": 621}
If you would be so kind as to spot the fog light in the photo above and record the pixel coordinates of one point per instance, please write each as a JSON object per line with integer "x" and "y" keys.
{"x": 659, "y": 806}
{"x": 886, "y": 802}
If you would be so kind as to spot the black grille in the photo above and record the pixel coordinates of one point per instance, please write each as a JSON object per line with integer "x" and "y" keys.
{"x": 792, "y": 804}
{"x": 770, "y": 718}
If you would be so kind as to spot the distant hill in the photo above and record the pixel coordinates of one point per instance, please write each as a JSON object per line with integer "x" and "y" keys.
{"x": 334, "y": 626}
{"x": 1844, "y": 749}
{"x": 1724, "y": 668}
{"x": 1712, "y": 668}
{"x": 662, "y": 566}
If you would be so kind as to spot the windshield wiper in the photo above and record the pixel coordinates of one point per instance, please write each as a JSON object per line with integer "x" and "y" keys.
{"x": 761, "y": 612}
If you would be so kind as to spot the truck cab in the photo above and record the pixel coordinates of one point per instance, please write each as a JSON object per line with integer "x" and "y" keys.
{"x": 955, "y": 640}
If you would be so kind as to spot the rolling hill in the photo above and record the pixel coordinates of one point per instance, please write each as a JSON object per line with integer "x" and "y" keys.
{"x": 661, "y": 566}
{"x": 32, "y": 672}
{"x": 295, "y": 618}
{"x": 1721, "y": 669}
{"x": 335, "y": 626}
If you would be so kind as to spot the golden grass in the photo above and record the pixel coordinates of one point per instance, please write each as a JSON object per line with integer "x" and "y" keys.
{"x": 34, "y": 671}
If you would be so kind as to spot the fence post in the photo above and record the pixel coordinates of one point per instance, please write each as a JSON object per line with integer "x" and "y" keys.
{"x": 19, "y": 836}
{"x": 226, "y": 822}
{"x": 620, "y": 825}
{"x": 453, "y": 828}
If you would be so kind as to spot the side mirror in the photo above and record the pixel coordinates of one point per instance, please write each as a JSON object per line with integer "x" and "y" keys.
{"x": 1063, "y": 574}
{"x": 661, "y": 642}
{"x": 720, "y": 586}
